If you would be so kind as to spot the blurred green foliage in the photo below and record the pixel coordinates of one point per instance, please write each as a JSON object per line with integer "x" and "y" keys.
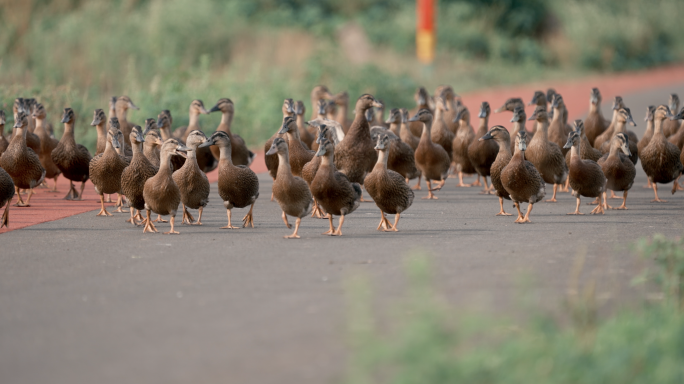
{"x": 165, "y": 53}
{"x": 425, "y": 341}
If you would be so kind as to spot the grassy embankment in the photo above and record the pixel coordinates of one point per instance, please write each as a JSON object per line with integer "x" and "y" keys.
{"x": 165, "y": 53}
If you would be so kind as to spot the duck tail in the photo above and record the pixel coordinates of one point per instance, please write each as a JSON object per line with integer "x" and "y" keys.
{"x": 357, "y": 191}
{"x": 252, "y": 156}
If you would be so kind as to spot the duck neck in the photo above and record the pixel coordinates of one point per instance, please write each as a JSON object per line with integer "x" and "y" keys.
{"x": 595, "y": 109}
{"x": 382, "y": 159}
{"x": 615, "y": 116}
{"x": 165, "y": 133}
{"x": 557, "y": 114}
{"x": 40, "y": 127}
{"x": 519, "y": 126}
{"x": 614, "y": 149}
{"x": 109, "y": 148}
{"x": 284, "y": 165}
{"x": 575, "y": 150}
{"x": 101, "y": 131}
{"x": 20, "y": 136}
{"x": 327, "y": 161}
{"x": 395, "y": 127}
{"x": 360, "y": 124}
{"x": 504, "y": 146}
{"x": 439, "y": 114}
{"x": 136, "y": 147}
{"x": 112, "y": 113}
{"x": 292, "y": 134}
{"x": 427, "y": 130}
{"x": 658, "y": 127}
{"x": 165, "y": 165}
{"x": 68, "y": 132}
{"x": 225, "y": 153}
{"x": 619, "y": 126}
{"x": 122, "y": 148}
{"x": 484, "y": 123}
{"x": 121, "y": 113}
{"x": 226, "y": 121}
{"x": 342, "y": 111}
{"x": 193, "y": 124}
{"x": 543, "y": 128}
{"x": 300, "y": 121}
{"x": 649, "y": 128}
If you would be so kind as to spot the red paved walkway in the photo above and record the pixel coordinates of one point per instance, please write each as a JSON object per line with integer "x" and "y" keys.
{"x": 48, "y": 206}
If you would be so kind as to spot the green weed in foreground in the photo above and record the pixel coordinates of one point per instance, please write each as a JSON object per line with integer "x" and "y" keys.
{"x": 427, "y": 342}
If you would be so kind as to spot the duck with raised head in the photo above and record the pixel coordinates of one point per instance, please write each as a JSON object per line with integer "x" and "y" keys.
{"x": 483, "y": 153}
{"x": 152, "y": 142}
{"x": 32, "y": 140}
{"x": 160, "y": 193}
{"x": 510, "y": 105}
{"x": 519, "y": 120}
{"x": 440, "y": 131}
{"x": 3, "y": 140}
{"x": 387, "y": 188}
{"x": 291, "y": 192}
{"x": 7, "y": 192}
{"x": 610, "y": 131}
{"x": 71, "y": 158}
{"x": 272, "y": 160}
{"x": 332, "y": 189}
{"x": 241, "y": 154}
{"x": 431, "y": 159}
{"x": 341, "y": 101}
{"x": 164, "y": 121}
{"x": 464, "y": 137}
{"x": 121, "y": 106}
{"x": 394, "y": 121}
{"x": 378, "y": 118}
{"x": 106, "y": 168}
{"x": 586, "y": 176}
{"x": 320, "y": 107}
{"x": 47, "y": 144}
{"x": 501, "y": 136}
{"x": 304, "y": 135}
{"x": 618, "y": 168}
{"x": 238, "y": 186}
{"x": 400, "y": 156}
{"x": 205, "y": 159}
{"x": 135, "y": 175}
{"x": 310, "y": 169}
{"x": 191, "y": 181}
{"x": 355, "y": 156}
{"x": 670, "y": 127}
{"x": 422, "y": 99}
{"x": 587, "y": 152}
{"x": 318, "y": 93}
{"x": 559, "y": 130}
{"x": 595, "y": 124}
{"x": 660, "y": 159}
{"x": 101, "y": 124}
{"x": 112, "y": 113}
{"x": 646, "y": 138}
{"x": 539, "y": 98}
{"x": 624, "y": 116}
{"x": 678, "y": 137}
{"x": 452, "y": 102}
{"x": 546, "y": 155}
{"x": 298, "y": 154}
{"x": 521, "y": 180}
{"x": 21, "y": 162}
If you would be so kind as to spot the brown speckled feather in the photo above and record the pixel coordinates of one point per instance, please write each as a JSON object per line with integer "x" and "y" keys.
{"x": 619, "y": 171}
{"x": 105, "y": 171}
{"x": 388, "y": 189}
{"x": 22, "y": 164}
{"x": 522, "y": 180}
{"x": 464, "y": 136}
{"x": 133, "y": 179}
{"x": 193, "y": 184}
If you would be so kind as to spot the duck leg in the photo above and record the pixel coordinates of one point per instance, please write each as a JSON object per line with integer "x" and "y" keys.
{"x": 655, "y": 191}
{"x": 4, "y": 222}
{"x": 338, "y": 231}
{"x": 149, "y": 227}
{"x": 109, "y": 199}
{"x": 430, "y": 195}
{"x": 332, "y": 228}
{"x": 362, "y": 199}
{"x": 199, "y": 217}
{"x": 553, "y": 198}
{"x": 230, "y": 223}
{"x": 614, "y": 196}
{"x": 501, "y": 211}
{"x": 599, "y": 207}
{"x": 577, "y": 212}
{"x": 295, "y": 235}
{"x": 28, "y": 198}
{"x": 396, "y": 221}
{"x": 485, "y": 191}
{"x": 120, "y": 204}
{"x": 288, "y": 225}
{"x": 103, "y": 210}
{"x": 317, "y": 211}
{"x": 138, "y": 216}
{"x": 624, "y": 201}
{"x": 54, "y": 189}
{"x": 477, "y": 182}
{"x": 384, "y": 223}
{"x": 160, "y": 220}
{"x": 187, "y": 217}
{"x": 72, "y": 191}
{"x": 171, "y": 231}
{"x": 566, "y": 186}
{"x": 461, "y": 183}
{"x": 526, "y": 219}
{"x": 648, "y": 185}
{"x": 520, "y": 215}
{"x": 20, "y": 201}
{"x": 132, "y": 219}
{"x": 417, "y": 186}
{"x": 249, "y": 218}
{"x": 605, "y": 201}
{"x": 80, "y": 195}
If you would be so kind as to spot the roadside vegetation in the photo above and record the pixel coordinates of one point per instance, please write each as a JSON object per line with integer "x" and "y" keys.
{"x": 164, "y": 53}
{"x": 427, "y": 341}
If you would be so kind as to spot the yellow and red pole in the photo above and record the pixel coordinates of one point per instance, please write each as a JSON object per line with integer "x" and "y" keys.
{"x": 425, "y": 30}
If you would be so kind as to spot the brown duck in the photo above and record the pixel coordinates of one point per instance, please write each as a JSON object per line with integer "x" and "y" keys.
{"x": 298, "y": 154}
{"x": 191, "y": 181}
{"x": 464, "y": 137}
{"x": 71, "y": 158}
{"x": 545, "y": 155}
{"x": 47, "y": 144}
{"x": 21, "y": 163}
{"x": 522, "y": 181}
{"x": 7, "y": 192}
{"x": 241, "y": 154}
{"x": 304, "y": 135}
{"x": 272, "y": 160}
{"x": 483, "y": 153}
{"x": 618, "y": 168}
{"x": 431, "y": 159}
{"x": 422, "y": 99}
{"x": 595, "y": 124}
{"x": 586, "y": 176}
{"x": 121, "y": 106}
{"x": 106, "y": 168}
{"x": 503, "y": 157}
{"x": 135, "y": 175}
{"x": 660, "y": 159}
{"x": 291, "y": 192}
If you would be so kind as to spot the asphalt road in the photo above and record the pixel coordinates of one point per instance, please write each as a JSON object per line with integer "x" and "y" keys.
{"x": 92, "y": 300}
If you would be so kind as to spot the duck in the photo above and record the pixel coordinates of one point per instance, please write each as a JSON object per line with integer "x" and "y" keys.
{"x": 341, "y": 101}
{"x": 47, "y": 144}
{"x": 400, "y": 156}
{"x": 355, "y": 156}
{"x": 440, "y": 131}
{"x": 304, "y": 135}
{"x": 241, "y": 154}
{"x": 21, "y": 162}
{"x": 164, "y": 121}
{"x": 678, "y": 137}
{"x": 618, "y": 168}
{"x": 595, "y": 124}
{"x": 464, "y": 137}
{"x": 205, "y": 159}
{"x": 160, "y": 193}
{"x": 519, "y": 120}
{"x": 331, "y": 110}
{"x": 106, "y": 168}
{"x": 483, "y": 153}
{"x": 405, "y": 132}
{"x": 393, "y": 121}
{"x": 660, "y": 159}
{"x": 452, "y": 102}
{"x": 422, "y": 99}
{"x": 318, "y": 93}
{"x": 191, "y": 181}
{"x": 32, "y": 140}
{"x": 238, "y": 186}
{"x": 291, "y": 192}
{"x": 670, "y": 127}
{"x": 378, "y": 117}
{"x": 332, "y": 189}
{"x": 321, "y": 106}
{"x": 298, "y": 154}
{"x": 546, "y": 155}
{"x": 587, "y": 152}
{"x": 7, "y": 191}
{"x": 522, "y": 180}
{"x": 501, "y": 136}
{"x": 112, "y": 113}
{"x": 586, "y": 176}
{"x": 550, "y": 95}
{"x": 71, "y": 158}
{"x": 309, "y": 170}
{"x": 559, "y": 130}
{"x": 3, "y": 140}
{"x": 387, "y": 188}
{"x": 140, "y": 169}
{"x": 100, "y": 122}
{"x": 610, "y": 131}
{"x": 121, "y": 107}
{"x": 272, "y": 160}
{"x": 152, "y": 142}
{"x": 539, "y": 98}
{"x": 510, "y": 105}
{"x": 646, "y": 138}
{"x": 624, "y": 116}
{"x": 431, "y": 159}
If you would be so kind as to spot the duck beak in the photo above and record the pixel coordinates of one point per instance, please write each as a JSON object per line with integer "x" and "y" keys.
{"x": 140, "y": 138}
{"x": 377, "y": 104}
{"x": 214, "y": 108}
{"x": 273, "y": 150}
{"x": 17, "y": 124}
{"x": 414, "y": 118}
{"x": 321, "y": 151}
{"x": 283, "y": 129}
{"x": 115, "y": 143}
{"x": 488, "y": 136}
{"x": 207, "y": 143}
{"x": 289, "y": 108}
{"x": 533, "y": 117}
{"x": 483, "y": 113}
{"x": 500, "y": 109}
{"x": 182, "y": 150}
{"x": 132, "y": 106}
{"x": 65, "y": 118}
{"x": 96, "y": 121}
{"x": 390, "y": 120}
{"x": 631, "y": 120}
{"x": 678, "y": 116}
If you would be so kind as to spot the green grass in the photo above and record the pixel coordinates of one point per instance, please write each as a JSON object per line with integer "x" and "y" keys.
{"x": 427, "y": 341}
{"x": 165, "y": 53}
